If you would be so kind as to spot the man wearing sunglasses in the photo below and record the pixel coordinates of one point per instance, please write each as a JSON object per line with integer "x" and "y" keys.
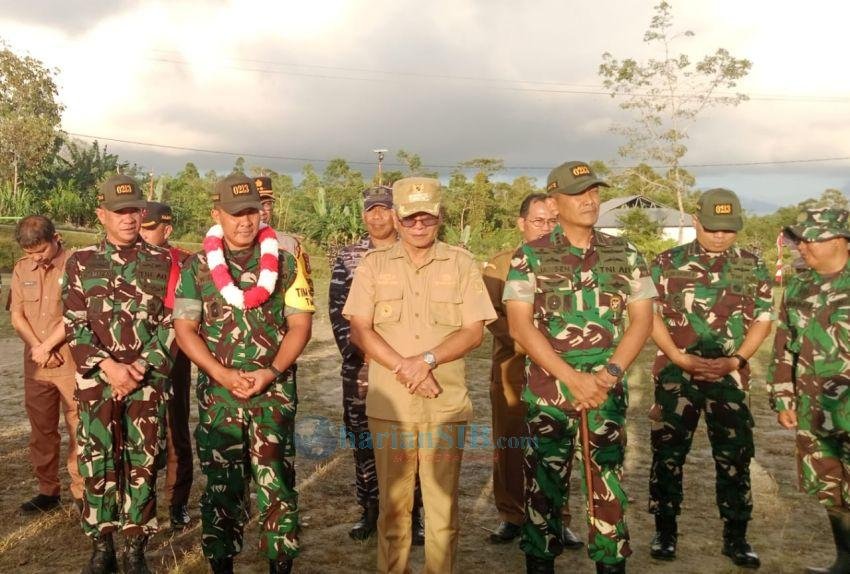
{"x": 416, "y": 309}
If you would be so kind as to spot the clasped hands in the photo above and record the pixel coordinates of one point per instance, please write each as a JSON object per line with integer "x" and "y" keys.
{"x": 243, "y": 385}
{"x": 124, "y": 378}
{"x": 702, "y": 369}
{"x": 590, "y": 390}
{"x": 45, "y": 357}
{"x": 415, "y": 374}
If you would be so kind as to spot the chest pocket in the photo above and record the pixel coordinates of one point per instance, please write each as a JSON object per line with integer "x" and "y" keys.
{"x": 30, "y": 293}
{"x": 800, "y": 319}
{"x": 388, "y": 301}
{"x": 445, "y": 305}
{"x": 839, "y": 322}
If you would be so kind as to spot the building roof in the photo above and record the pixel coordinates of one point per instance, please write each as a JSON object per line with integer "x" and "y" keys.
{"x": 611, "y": 210}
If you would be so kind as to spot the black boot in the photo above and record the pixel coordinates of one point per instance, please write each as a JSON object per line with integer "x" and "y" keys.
{"x": 735, "y": 544}
{"x": 134, "y": 555}
{"x": 179, "y": 516}
{"x": 368, "y": 523}
{"x": 840, "y": 522}
{"x": 221, "y": 565}
{"x": 663, "y": 545}
{"x": 102, "y": 559}
{"x": 282, "y": 565}
{"x": 418, "y": 526}
{"x": 618, "y": 568}
{"x": 535, "y": 565}
{"x": 569, "y": 540}
{"x": 505, "y": 532}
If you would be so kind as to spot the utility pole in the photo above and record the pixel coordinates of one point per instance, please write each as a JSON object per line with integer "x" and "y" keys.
{"x": 150, "y": 193}
{"x": 380, "y": 153}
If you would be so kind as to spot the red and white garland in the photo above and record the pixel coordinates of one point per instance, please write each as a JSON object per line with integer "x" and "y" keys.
{"x": 256, "y": 295}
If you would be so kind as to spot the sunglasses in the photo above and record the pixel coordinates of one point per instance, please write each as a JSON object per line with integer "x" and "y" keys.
{"x": 425, "y": 220}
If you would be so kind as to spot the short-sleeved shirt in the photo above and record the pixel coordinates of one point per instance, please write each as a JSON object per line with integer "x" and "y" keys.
{"x": 709, "y": 301}
{"x": 508, "y": 364}
{"x": 414, "y": 309}
{"x": 810, "y": 371}
{"x": 579, "y": 297}
{"x": 36, "y": 291}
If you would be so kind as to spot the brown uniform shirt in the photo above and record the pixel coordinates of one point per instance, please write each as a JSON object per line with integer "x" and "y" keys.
{"x": 36, "y": 290}
{"x": 414, "y": 310}
{"x": 508, "y": 361}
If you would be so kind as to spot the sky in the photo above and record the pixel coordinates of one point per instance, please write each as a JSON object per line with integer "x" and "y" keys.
{"x": 450, "y": 80}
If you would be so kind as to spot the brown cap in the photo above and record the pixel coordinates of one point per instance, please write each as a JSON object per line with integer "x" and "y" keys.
{"x": 264, "y": 187}
{"x": 120, "y": 192}
{"x": 417, "y": 195}
{"x": 155, "y": 213}
{"x": 235, "y": 193}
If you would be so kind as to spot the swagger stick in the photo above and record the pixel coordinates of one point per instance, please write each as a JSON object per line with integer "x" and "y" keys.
{"x": 588, "y": 473}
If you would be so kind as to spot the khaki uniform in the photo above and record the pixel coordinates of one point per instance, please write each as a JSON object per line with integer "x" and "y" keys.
{"x": 414, "y": 309}
{"x": 36, "y": 292}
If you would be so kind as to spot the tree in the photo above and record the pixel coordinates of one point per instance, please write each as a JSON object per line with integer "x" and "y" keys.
{"x": 667, "y": 95}
{"x": 644, "y": 233}
{"x": 29, "y": 114}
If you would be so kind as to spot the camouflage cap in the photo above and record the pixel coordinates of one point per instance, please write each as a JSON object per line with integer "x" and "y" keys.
{"x": 378, "y": 195}
{"x": 417, "y": 195}
{"x": 235, "y": 193}
{"x": 120, "y": 192}
{"x": 263, "y": 184}
{"x": 155, "y": 213}
{"x": 719, "y": 210}
{"x": 572, "y": 178}
{"x": 819, "y": 225}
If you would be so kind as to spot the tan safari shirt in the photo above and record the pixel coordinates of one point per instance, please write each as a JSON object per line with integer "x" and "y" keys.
{"x": 414, "y": 310}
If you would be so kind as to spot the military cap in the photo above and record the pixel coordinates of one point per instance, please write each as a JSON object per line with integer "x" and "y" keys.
{"x": 819, "y": 225}
{"x": 718, "y": 209}
{"x": 155, "y": 213}
{"x": 120, "y": 192}
{"x": 378, "y": 195}
{"x": 235, "y": 193}
{"x": 572, "y": 178}
{"x": 264, "y": 187}
{"x": 416, "y": 195}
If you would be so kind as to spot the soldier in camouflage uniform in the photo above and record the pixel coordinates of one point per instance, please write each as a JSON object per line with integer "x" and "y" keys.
{"x": 809, "y": 379}
{"x": 566, "y": 294}
{"x": 377, "y": 216}
{"x": 244, "y": 348}
{"x": 714, "y": 310}
{"x": 121, "y": 339}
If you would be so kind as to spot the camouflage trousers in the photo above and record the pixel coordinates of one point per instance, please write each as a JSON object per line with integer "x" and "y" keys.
{"x": 823, "y": 457}
{"x": 675, "y": 415}
{"x": 553, "y": 441}
{"x": 121, "y": 447}
{"x": 355, "y": 386}
{"x": 239, "y": 440}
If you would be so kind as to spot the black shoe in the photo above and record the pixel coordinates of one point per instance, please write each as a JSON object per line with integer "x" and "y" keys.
{"x": 840, "y": 523}
{"x": 221, "y": 565}
{"x": 282, "y": 565}
{"x": 418, "y": 526}
{"x": 735, "y": 544}
{"x": 618, "y": 568}
{"x": 367, "y": 525}
{"x": 663, "y": 545}
{"x": 179, "y": 516}
{"x": 535, "y": 565}
{"x": 102, "y": 559}
{"x": 505, "y": 532}
{"x": 569, "y": 540}
{"x": 134, "y": 555}
{"x": 40, "y": 503}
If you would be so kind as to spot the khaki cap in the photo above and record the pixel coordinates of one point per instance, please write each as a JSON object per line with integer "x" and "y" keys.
{"x": 417, "y": 195}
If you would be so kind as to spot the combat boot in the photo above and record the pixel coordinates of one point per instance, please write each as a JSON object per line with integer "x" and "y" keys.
{"x": 535, "y": 565}
{"x": 368, "y": 523}
{"x": 103, "y": 560}
{"x": 735, "y": 544}
{"x": 840, "y": 522}
{"x": 134, "y": 555}
{"x": 618, "y": 568}
{"x": 418, "y": 527}
{"x": 221, "y": 565}
{"x": 282, "y": 565}
{"x": 663, "y": 545}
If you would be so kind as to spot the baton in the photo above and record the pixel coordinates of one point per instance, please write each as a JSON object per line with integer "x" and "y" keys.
{"x": 588, "y": 474}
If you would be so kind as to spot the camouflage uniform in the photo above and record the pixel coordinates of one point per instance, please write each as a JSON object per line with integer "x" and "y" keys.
{"x": 708, "y": 303}
{"x": 578, "y": 297}
{"x": 113, "y": 299}
{"x": 236, "y": 437}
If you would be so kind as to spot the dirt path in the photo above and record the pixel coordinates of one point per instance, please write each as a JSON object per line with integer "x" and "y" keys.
{"x": 789, "y": 530}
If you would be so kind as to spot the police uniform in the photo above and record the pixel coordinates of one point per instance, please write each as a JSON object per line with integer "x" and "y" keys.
{"x": 810, "y": 375}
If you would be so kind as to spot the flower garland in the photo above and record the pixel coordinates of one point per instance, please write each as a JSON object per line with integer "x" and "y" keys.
{"x": 259, "y": 293}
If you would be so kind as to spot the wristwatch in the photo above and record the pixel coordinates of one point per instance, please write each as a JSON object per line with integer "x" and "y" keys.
{"x": 742, "y": 362}
{"x": 429, "y": 358}
{"x": 615, "y": 371}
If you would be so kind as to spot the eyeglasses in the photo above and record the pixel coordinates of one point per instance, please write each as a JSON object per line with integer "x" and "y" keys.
{"x": 542, "y": 222}
{"x": 425, "y": 220}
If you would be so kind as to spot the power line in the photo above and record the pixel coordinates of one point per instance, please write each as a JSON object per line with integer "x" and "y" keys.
{"x": 443, "y": 165}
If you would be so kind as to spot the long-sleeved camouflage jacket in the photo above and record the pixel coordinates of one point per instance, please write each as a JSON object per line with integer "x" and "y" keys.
{"x": 341, "y": 277}
{"x": 114, "y": 308}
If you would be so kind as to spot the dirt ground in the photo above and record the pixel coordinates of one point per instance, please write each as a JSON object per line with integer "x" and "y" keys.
{"x": 789, "y": 530}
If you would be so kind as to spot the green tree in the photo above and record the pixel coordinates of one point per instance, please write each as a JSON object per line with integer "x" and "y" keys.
{"x": 644, "y": 233}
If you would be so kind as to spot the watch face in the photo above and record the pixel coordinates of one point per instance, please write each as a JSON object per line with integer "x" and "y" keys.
{"x": 614, "y": 370}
